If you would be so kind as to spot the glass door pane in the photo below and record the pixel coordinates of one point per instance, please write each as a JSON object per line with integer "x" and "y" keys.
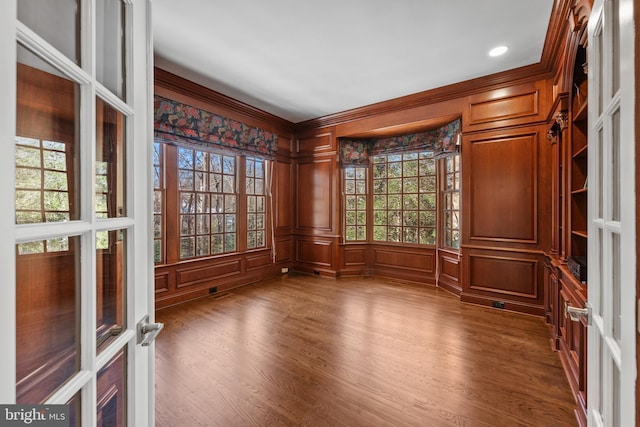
{"x": 110, "y": 287}
{"x": 56, "y": 21}
{"x": 47, "y": 307}
{"x": 110, "y": 162}
{"x": 110, "y": 45}
{"x": 46, "y": 149}
{"x": 112, "y": 392}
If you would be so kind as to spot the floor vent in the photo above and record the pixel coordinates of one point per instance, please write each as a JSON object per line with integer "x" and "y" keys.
{"x": 221, "y": 295}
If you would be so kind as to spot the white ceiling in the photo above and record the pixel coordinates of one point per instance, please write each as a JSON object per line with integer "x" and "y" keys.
{"x": 303, "y": 59}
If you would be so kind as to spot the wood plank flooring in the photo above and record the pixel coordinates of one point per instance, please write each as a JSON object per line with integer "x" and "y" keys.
{"x": 309, "y": 351}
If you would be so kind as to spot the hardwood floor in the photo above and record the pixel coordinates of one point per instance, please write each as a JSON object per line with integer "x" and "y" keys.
{"x": 302, "y": 350}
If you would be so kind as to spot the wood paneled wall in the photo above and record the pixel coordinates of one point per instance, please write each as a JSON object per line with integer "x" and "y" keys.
{"x": 506, "y": 189}
{"x": 506, "y": 176}
{"x": 195, "y": 278}
{"x": 505, "y": 195}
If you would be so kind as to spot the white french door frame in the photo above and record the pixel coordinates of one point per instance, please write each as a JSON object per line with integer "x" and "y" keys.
{"x": 7, "y": 212}
{"x": 139, "y": 253}
{"x": 611, "y": 354}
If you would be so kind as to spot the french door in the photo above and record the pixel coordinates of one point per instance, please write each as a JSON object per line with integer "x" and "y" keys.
{"x": 76, "y": 300}
{"x": 611, "y": 253}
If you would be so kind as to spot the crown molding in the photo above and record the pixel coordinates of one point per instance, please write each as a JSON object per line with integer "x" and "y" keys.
{"x": 173, "y": 82}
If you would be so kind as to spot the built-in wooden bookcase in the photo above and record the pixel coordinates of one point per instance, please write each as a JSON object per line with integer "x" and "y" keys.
{"x": 565, "y": 275}
{"x": 578, "y": 137}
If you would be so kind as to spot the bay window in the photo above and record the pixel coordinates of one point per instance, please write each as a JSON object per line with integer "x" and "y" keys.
{"x": 392, "y": 191}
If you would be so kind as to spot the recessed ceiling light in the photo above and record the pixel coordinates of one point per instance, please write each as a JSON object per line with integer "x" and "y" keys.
{"x": 499, "y": 50}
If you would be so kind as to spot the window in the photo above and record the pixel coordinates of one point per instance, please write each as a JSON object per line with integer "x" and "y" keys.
{"x": 42, "y": 193}
{"x": 256, "y": 202}
{"x": 404, "y": 198}
{"x": 451, "y": 202}
{"x": 355, "y": 190}
{"x": 42, "y": 190}
{"x": 158, "y": 211}
{"x": 207, "y": 202}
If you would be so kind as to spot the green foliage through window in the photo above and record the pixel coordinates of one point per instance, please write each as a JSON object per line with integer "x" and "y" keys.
{"x": 404, "y": 198}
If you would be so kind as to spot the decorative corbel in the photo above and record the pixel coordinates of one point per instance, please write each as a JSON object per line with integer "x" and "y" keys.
{"x": 562, "y": 119}
{"x": 552, "y": 136}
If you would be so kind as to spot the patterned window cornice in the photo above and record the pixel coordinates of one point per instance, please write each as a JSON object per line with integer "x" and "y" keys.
{"x": 442, "y": 141}
{"x": 181, "y": 123}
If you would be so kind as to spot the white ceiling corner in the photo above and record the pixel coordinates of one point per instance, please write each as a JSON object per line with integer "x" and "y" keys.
{"x": 306, "y": 59}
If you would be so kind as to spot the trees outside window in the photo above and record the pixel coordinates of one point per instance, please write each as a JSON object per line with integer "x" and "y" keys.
{"x": 451, "y": 202}
{"x": 355, "y": 190}
{"x": 207, "y": 203}
{"x": 207, "y": 197}
{"x": 404, "y": 198}
{"x": 396, "y": 200}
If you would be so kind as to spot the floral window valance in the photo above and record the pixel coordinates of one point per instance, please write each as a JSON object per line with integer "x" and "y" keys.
{"x": 181, "y": 123}
{"x": 442, "y": 141}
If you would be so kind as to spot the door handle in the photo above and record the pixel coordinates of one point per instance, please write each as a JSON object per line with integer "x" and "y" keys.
{"x": 575, "y": 313}
{"x": 147, "y": 332}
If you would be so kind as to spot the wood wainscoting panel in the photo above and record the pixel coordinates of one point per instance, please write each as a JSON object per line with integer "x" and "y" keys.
{"x": 355, "y": 256}
{"x": 258, "y": 261}
{"x": 405, "y": 263}
{"x": 449, "y": 271}
{"x": 314, "y": 251}
{"x": 198, "y": 275}
{"x": 283, "y": 249}
{"x": 507, "y": 275}
{"x": 402, "y": 258}
{"x": 161, "y": 282}
{"x": 501, "y": 186}
{"x": 315, "y": 179}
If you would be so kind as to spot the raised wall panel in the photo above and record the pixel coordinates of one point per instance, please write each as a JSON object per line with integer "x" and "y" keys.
{"x": 315, "y": 194}
{"x": 508, "y": 106}
{"x": 313, "y": 251}
{"x": 450, "y": 268}
{"x": 258, "y": 261}
{"x": 316, "y": 143}
{"x": 283, "y": 250}
{"x": 284, "y": 145}
{"x": 401, "y": 258}
{"x": 504, "y": 275}
{"x": 283, "y": 196}
{"x": 355, "y": 256}
{"x": 502, "y": 187}
{"x": 162, "y": 282}
{"x": 195, "y": 276}
{"x": 449, "y": 274}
